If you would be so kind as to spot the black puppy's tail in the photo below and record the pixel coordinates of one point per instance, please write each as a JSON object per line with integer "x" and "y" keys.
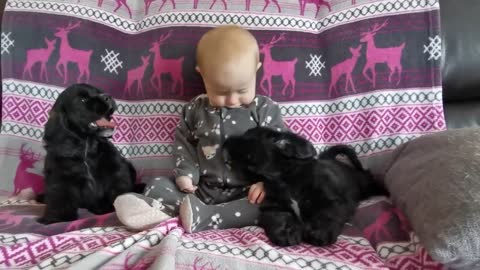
{"x": 333, "y": 151}
{"x": 370, "y": 187}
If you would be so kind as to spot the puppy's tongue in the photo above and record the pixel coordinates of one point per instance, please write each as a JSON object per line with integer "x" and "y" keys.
{"x": 105, "y": 123}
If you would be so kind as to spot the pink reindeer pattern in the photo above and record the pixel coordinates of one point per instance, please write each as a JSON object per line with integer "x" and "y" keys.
{"x": 380, "y": 230}
{"x": 69, "y": 54}
{"x": 25, "y": 179}
{"x": 79, "y": 223}
{"x": 224, "y": 2}
{"x": 344, "y": 68}
{"x": 124, "y": 3}
{"x": 41, "y": 56}
{"x": 148, "y": 3}
{"x": 166, "y": 66}
{"x": 267, "y": 3}
{"x": 199, "y": 265}
{"x": 317, "y": 3}
{"x": 131, "y": 264}
{"x": 163, "y": 3}
{"x": 284, "y": 69}
{"x": 9, "y": 219}
{"x": 120, "y": 3}
{"x": 391, "y": 56}
{"x": 136, "y": 75}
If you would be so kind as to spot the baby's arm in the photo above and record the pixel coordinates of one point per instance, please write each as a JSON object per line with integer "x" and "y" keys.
{"x": 186, "y": 171}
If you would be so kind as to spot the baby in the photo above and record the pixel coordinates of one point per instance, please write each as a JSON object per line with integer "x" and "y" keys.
{"x": 205, "y": 192}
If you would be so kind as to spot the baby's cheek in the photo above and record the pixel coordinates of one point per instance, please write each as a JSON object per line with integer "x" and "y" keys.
{"x": 217, "y": 101}
{"x": 247, "y": 99}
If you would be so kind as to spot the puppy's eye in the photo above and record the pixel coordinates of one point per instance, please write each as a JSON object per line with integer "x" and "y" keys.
{"x": 84, "y": 100}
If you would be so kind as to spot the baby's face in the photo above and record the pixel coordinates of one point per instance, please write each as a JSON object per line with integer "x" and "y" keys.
{"x": 231, "y": 87}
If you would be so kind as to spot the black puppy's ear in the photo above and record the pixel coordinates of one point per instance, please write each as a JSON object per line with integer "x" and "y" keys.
{"x": 55, "y": 123}
{"x": 293, "y": 146}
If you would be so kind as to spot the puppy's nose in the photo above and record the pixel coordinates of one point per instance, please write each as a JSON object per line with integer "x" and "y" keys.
{"x": 106, "y": 98}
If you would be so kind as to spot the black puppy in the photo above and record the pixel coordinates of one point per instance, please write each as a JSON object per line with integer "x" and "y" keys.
{"x": 308, "y": 197}
{"x": 82, "y": 169}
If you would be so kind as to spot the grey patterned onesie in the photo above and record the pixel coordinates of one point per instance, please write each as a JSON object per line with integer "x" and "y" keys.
{"x": 220, "y": 200}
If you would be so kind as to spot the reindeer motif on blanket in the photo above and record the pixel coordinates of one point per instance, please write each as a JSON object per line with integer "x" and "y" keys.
{"x": 344, "y": 68}
{"x": 284, "y": 69}
{"x": 166, "y": 66}
{"x": 391, "y": 56}
{"x": 24, "y": 178}
{"x": 224, "y": 2}
{"x": 136, "y": 75}
{"x": 317, "y": 3}
{"x": 41, "y": 56}
{"x": 10, "y": 219}
{"x": 72, "y": 55}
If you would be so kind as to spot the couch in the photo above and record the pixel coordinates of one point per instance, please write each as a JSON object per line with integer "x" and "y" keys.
{"x": 460, "y": 55}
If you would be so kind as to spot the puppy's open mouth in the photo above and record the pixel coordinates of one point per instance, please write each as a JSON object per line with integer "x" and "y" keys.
{"x": 103, "y": 127}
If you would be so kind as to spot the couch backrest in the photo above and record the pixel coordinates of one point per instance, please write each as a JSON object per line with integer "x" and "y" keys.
{"x": 460, "y": 20}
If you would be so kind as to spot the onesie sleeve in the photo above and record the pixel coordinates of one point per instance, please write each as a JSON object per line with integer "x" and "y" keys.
{"x": 185, "y": 154}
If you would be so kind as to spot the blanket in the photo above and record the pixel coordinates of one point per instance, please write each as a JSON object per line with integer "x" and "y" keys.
{"x": 360, "y": 72}
{"x": 379, "y": 237}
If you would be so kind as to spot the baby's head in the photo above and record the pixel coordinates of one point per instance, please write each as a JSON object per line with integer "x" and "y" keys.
{"x": 228, "y": 60}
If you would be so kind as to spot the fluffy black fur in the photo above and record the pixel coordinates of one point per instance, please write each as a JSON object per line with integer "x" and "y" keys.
{"x": 82, "y": 169}
{"x": 308, "y": 197}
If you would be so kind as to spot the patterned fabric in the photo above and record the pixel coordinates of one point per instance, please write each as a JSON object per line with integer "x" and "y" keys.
{"x": 379, "y": 237}
{"x": 362, "y": 72}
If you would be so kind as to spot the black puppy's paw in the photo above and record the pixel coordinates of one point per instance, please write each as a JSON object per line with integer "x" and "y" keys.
{"x": 49, "y": 220}
{"x": 40, "y": 198}
{"x": 46, "y": 221}
{"x": 289, "y": 235}
{"x": 101, "y": 209}
{"x": 283, "y": 229}
{"x": 321, "y": 237}
{"x": 139, "y": 188}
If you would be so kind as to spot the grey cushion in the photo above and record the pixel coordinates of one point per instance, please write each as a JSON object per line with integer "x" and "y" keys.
{"x": 435, "y": 180}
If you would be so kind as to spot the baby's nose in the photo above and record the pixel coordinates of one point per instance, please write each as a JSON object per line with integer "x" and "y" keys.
{"x": 231, "y": 100}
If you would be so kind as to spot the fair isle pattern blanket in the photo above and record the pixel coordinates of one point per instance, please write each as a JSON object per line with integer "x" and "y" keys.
{"x": 379, "y": 237}
{"x": 362, "y": 72}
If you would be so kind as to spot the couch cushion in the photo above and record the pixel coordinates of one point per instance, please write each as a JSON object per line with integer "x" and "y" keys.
{"x": 435, "y": 180}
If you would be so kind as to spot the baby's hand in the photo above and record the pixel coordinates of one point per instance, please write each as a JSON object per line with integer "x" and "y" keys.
{"x": 185, "y": 184}
{"x": 256, "y": 194}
